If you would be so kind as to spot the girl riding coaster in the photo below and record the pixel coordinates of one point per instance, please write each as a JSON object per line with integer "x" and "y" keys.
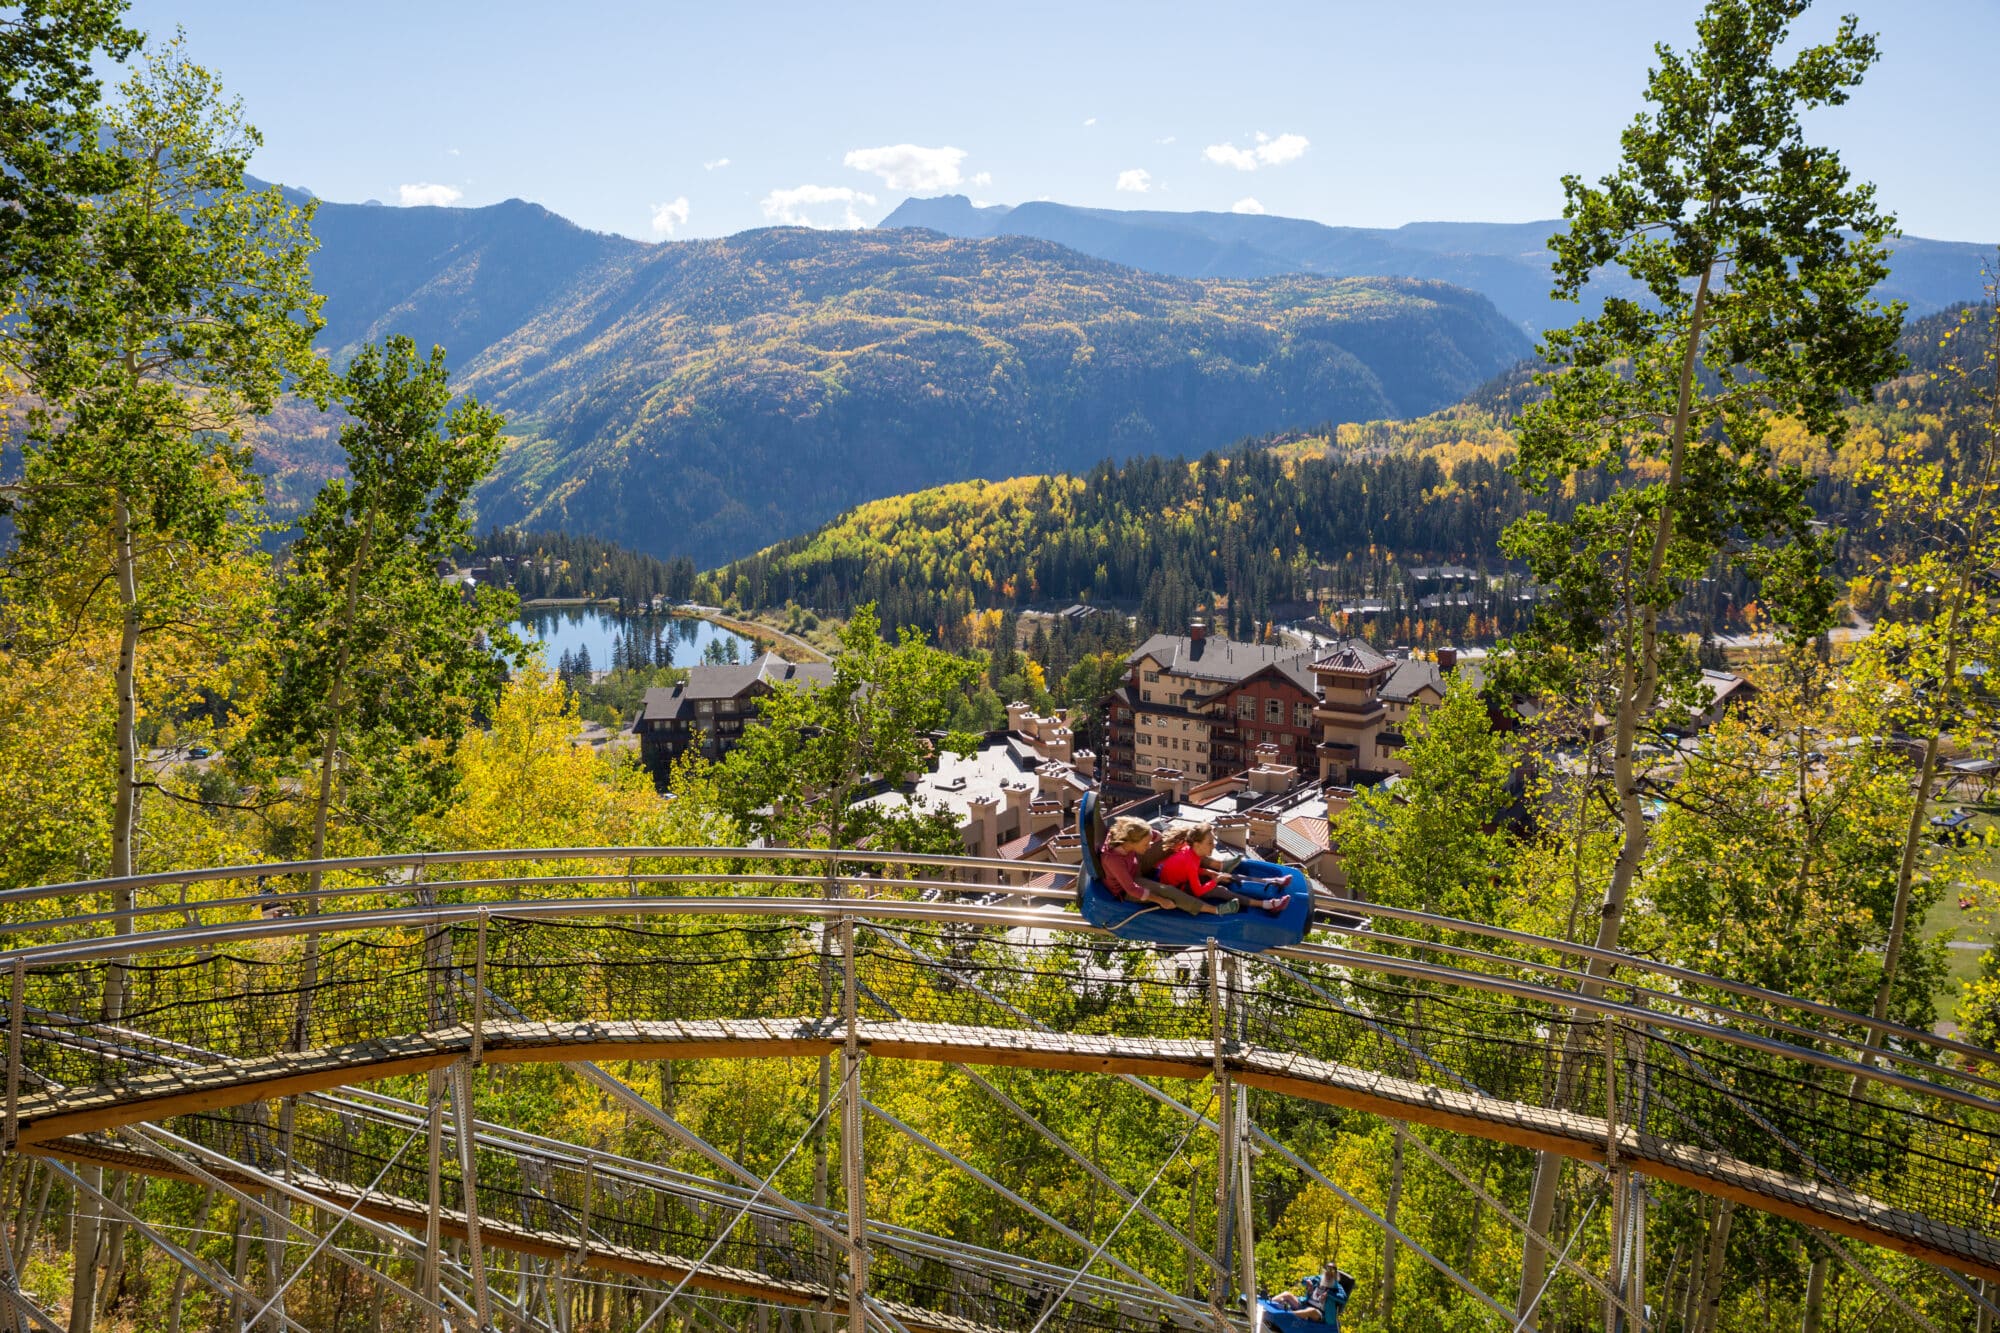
{"x": 1189, "y": 850}
{"x": 1116, "y": 894}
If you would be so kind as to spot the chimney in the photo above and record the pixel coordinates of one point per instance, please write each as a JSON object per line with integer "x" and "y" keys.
{"x": 982, "y": 837}
{"x": 1044, "y": 816}
{"x": 1066, "y": 848}
{"x": 1058, "y": 741}
{"x": 1447, "y": 660}
{"x": 1233, "y": 831}
{"x": 1020, "y": 718}
{"x": 1197, "y": 629}
{"x": 1085, "y": 762}
{"x": 1018, "y": 798}
{"x": 1263, "y": 828}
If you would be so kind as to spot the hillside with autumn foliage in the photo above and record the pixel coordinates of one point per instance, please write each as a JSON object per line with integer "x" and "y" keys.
{"x": 1282, "y": 525}
{"x": 711, "y": 397}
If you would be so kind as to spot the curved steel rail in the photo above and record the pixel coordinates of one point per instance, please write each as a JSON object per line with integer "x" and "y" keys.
{"x": 418, "y": 863}
{"x": 1833, "y": 1162}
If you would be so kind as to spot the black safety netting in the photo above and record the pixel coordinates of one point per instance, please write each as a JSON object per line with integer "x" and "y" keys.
{"x": 1771, "y": 1114}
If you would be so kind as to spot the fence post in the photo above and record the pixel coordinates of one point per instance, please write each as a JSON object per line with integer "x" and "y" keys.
{"x": 434, "y": 1208}
{"x": 853, "y": 1165}
{"x": 17, "y": 990}
{"x": 1239, "y": 1146}
{"x": 475, "y": 1252}
{"x": 479, "y": 992}
{"x": 1225, "y": 1139}
{"x": 1614, "y": 1175}
{"x": 10, "y": 1132}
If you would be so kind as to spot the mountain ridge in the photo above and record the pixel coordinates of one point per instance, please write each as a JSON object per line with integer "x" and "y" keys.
{"x": 708, "y": 397}
{"x": 1505, "y": 261}
{"x": 779, "y": 375}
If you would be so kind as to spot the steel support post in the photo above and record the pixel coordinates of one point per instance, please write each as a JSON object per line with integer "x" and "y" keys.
{"x": 853, "y": 1168}
{"x": 462, "y": 1127}
{"x": 1615, "y": 1174}
{"x": 12, "y": 1304}
{"x": 1246, "y": 1234}
{"x": 438, "y": 999}
{"x": 582, "y": 1227}
{"x": 1225, "y": 1141}
{"x": 434, "y": 1201}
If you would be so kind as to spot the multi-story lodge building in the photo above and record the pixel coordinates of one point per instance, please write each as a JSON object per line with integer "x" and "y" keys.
{"x": 1200, "y": 704}
{"x": 716, "y": 702}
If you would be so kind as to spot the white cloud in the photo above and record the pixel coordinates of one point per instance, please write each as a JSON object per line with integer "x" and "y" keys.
{"x": 426, "y": 195}
{"x": 669, "y": 217}
{"x": 804, "y": 205}
{"x": 984, "y": 178}
{"x": 1246, "y": 205}
{"x": 1265, "y": 152}
{"x": 908, "y": 166}
{"x": 452, "y": 151}
{"x": 719, "y": 163}
{"x": 1136, "y": 181}
{"x": 1168, "y": 139}
{"x": 1089, "y": 122}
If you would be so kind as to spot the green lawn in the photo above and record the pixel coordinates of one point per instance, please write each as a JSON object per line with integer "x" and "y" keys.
{"x": 1977, "y": 925}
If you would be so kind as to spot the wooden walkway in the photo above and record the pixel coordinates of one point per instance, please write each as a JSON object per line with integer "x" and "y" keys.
{"x": 45, "y": 1120}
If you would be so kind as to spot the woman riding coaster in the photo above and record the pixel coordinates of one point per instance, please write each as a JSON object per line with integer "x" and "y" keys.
{"x": 1189, "y": 847}
{"x": 1325, "y": 1296}
{"x": 1129, "y": 844}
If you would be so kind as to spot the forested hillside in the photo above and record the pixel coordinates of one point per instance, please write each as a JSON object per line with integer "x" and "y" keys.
{"x": 712, "y": 396}
{"x": 704, "y": 398}
{"x": 539, "y": 565}
{"x": 1296, "y": 524}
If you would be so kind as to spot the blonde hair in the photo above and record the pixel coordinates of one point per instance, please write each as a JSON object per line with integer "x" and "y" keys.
{"x": 1128, "y": 828}
{"x": 1181, "y": 835}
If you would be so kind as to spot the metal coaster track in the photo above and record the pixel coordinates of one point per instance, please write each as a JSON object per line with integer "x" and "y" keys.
{"x": 1772, "y": 1102}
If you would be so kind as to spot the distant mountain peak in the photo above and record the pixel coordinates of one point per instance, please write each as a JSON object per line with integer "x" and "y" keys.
{"x": 1507, "y": 262}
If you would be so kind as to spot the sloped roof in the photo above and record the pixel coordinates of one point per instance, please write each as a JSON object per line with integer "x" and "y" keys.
{"x": 1225, "y": 660}
{"x": 1720, "y": 685}
{"x": 1351, "y": 657}
{"x": 1303, "y": 837}
{"x": 731, "y": 681}
{"x": 1411, "y": 675}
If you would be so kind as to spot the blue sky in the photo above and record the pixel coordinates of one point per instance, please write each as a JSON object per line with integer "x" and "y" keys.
{"x": 659, "y": 120}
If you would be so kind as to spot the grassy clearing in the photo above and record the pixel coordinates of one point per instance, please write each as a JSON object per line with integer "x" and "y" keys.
{"x": 1979, "y": 923}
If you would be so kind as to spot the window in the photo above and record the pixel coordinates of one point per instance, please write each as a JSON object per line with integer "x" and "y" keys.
{"x": 1124, "y": 715}
{"x": 1201, "y": 747}
{"x": 1302, "y": 715}
{"x": 1152, "y": 677}
{"x": 1274, "y": 711}
{"x": 1145, "y": 696}
{"x": 1246, "y": 708}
